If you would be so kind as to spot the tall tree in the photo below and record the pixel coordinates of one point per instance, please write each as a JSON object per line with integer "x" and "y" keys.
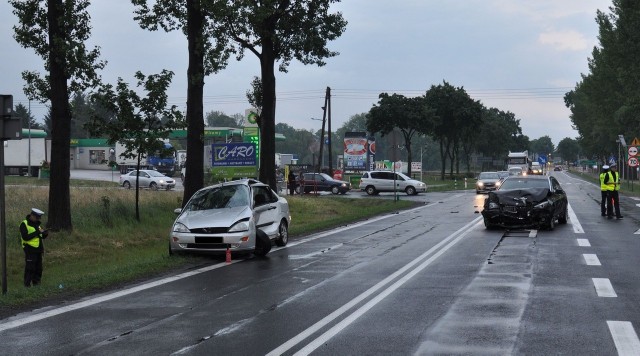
{"x": 453, "y": 110}
{"x": 208, "y": 54}
{"x": 605, "y": 103}
{"x": 141, "y": 124}
{"x": 569, "y": 149}
{"x": 408, "y": 115}
{"x": 57, "y": 31}
{"x": 220, "y": 119}
{"x": 541, "y": 146}
{"x": 27, "y": 118}
{"x": 280, "y": 31}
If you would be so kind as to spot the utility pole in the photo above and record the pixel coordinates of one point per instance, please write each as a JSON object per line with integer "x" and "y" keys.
{"x": 324, "y": 118}
{"x": 328, "y": 100}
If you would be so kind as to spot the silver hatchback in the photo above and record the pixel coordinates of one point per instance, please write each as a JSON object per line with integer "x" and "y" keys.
{"x": 227, "y": 215}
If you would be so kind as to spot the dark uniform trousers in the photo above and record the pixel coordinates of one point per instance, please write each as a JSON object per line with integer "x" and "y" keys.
{"x": 32, "y": 268}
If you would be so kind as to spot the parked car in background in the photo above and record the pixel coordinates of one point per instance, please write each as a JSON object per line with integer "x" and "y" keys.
{"x": 321, "y": 182}
{"x": 557, "y": 168}
{"x": 375, "y": 182}
{"x": 487, "y": 181}
{"x": 230, "y": 215}
{"x": 525, "y": 202}
{"x": 148, "y": 178}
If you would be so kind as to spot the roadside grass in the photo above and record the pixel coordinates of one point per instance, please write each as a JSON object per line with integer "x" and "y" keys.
{"x": 630, "y": 188}
{"x": 108, "y": 248}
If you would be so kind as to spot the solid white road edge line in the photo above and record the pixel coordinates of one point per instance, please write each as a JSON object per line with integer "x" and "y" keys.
{"x": 604, "y": 288}
{"x": 625, "y": 338}
{"x": 577, "y": 228}
{"x": 460, "y": 233}
{"x": 16, "y": 321}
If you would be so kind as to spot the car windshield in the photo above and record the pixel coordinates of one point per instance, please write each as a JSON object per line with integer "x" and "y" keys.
{"x": 503, "y": 174}
{"x": 488, "y": 175}
{"x": 230, "y": 196}
{"x": 523, "y": 183}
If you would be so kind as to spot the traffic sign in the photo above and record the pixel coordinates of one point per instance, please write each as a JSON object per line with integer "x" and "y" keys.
{"x": 633, "y": 162}
{"x": 633, "y": 151}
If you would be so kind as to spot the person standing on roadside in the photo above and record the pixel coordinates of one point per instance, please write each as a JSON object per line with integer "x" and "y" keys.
{"x": 291, "y": 179}
{"x": 31, "y": 236}
{"x": 604, "y": 191}
{"x": 612, "y": 180}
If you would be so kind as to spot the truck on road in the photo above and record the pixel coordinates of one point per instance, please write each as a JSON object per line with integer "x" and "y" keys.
{"x": 26, "y": 156}
{"x": 163, "y": 162}
{"x": 520, "y": 160}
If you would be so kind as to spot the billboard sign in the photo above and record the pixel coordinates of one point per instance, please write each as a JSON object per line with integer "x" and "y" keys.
{"x": 238, "y": 154}
{"x": 355, "y": 150}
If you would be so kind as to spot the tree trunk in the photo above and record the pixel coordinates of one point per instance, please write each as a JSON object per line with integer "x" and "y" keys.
{"x": 443, "y": 159}
{"x": 59, "y": 214}
{"x": 268, "y": 117}
{"x": 138, "y": 187}
{"x": 194, "y": 172}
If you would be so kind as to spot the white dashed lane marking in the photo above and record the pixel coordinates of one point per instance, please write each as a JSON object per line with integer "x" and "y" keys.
{"x": 625, "y": 337}
{"x": 591, "y": 259}
{"x": 604, "y": 288}
{"x": 584, "y": 243}
{"x": 573, "y": 220}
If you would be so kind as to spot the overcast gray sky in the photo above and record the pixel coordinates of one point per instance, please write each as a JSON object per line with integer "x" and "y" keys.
{"x": 514, "y": 55}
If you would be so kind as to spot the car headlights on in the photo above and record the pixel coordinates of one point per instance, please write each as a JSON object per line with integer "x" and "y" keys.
{"x": 161, "y": 181}
{"x": 498, "y": 183}
{"x": 480, "y": 184}
{"x": 180, "y": 227}
{"x": 344, "y": 185}
{"x": 240, "y": 226}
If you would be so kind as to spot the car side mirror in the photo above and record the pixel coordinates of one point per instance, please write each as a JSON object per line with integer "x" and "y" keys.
{"x": 177, "y": 211}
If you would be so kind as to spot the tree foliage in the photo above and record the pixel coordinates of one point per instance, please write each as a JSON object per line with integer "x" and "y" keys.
{"x": 140, "y": 124}
{"x": 605, "y": 103}
{"x": 208, "y": 53}
{"x": 279, "y": 31}
{"x": 57, "y": 31}
{"x": 409, "y": 116}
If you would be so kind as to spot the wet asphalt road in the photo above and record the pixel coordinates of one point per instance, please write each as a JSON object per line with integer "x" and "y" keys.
{"x": 430, "y": 280}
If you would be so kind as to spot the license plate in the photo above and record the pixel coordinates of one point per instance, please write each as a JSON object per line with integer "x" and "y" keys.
{"x": 510, "y": 209}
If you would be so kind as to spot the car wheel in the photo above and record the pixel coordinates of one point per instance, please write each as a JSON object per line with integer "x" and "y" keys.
{"x": 370, "y": 190}
{"x": 126, "y": 184}
{"x": 552, "y": 224}
{"x": 283, "y": 234}
{"x": 488, "y": 225}
{"x": 335, "y": 189}
{"x": 563, "y": 218}
{"x": 153, "y": 186}
{"x": 263, "y": 244}
{"x": 410, "y": 191}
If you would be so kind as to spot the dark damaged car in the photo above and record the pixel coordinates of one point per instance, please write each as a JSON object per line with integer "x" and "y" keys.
{"x": 526, "y": 202}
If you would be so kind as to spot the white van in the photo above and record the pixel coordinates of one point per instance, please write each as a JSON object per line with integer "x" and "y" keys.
{"x": 383, "y": 181}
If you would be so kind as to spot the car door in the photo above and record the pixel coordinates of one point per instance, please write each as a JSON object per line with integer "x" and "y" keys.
{"x": 559, "y": 197}
{"x": 401, "y": 183}
{"x": 265, "y": 209}
{"x": 383, "y": 181}
{"x": 145, "y": 179}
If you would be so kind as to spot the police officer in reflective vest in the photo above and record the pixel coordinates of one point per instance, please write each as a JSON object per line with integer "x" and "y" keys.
{"x": 31, "y": 235}
{"x": 612, "y": 180}
{"x": 604, "y": 191}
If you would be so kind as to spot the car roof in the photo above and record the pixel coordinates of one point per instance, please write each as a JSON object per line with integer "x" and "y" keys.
{"x": 530, "y": 177}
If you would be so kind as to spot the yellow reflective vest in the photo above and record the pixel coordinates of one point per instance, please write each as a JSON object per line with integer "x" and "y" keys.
{"x": 34, "y": 242}
{"x": 613, "y": 181}
{"x": 603, "y": 187}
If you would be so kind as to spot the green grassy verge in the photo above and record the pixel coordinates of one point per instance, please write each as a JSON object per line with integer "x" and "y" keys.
{"x": 108, "y": 247}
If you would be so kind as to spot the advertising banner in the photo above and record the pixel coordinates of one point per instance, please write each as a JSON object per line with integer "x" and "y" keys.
{"x": 238, "y": 154}
{"x": 355, "y": 150}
